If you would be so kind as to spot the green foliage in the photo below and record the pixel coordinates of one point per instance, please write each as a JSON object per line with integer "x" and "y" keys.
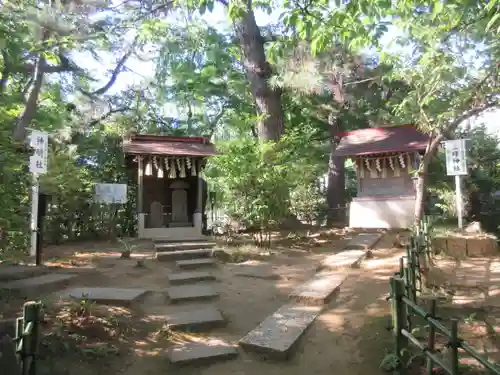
{"x": 254, "y": 183}
{"x": 307, "y": 203}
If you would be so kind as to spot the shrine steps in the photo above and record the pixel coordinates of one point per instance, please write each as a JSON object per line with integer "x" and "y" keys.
{"x": 183, "y": 245}
{"x": 183, "y": 254}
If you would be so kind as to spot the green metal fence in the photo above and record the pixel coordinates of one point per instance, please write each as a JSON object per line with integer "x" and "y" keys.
{"x": 406, "y": 286}
{"x": 18, "y": 356}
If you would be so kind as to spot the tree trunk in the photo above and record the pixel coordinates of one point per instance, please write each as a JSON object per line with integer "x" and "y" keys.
{"x": 270, "y": 126}
{"x": 335, "y": 193}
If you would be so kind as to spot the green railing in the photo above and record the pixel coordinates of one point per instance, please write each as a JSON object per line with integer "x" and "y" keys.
{"x": 406, "y": 286}
{"x": 18, "y": 356}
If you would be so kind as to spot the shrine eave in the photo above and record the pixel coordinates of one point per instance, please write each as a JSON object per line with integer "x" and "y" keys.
{"x": 376, "y": 141}
{"x": 168, "y": 146}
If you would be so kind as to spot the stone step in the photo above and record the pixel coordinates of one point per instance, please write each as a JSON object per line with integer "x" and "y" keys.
{"x": 363, "y": 241}
{"x": 344, "y": 259}
{"x": 277, "y": 336}
{"x": 319, "y": 289}
{"x": 183, "y": 293}
{"x": 188, "y": 245}
{"x": 52, "y": 280}
{"x": 195, "y": 318}
{"x": 183, "y": 254}
{"x": 104, "y": 295}
{"x": 195, "y": 263}
{"x": 195, "y": 352}
{"x": 15, "y": 272}
{"x": 189, "y": 277}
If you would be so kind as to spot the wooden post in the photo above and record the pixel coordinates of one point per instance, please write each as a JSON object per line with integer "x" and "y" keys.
{"x": 140, "y": 184}
{"x": 431, "y": 343}
{"x": 398, "y": 315}
{"x": 454, "y": 343}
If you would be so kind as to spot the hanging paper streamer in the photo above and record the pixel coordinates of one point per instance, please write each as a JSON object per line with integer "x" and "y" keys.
{"x": 166, "y": 162}
{"x": 188, "y": 163}
{"x": 377, "y": 165}
{"x": 182, "y": 169}
{"x": 384, "y": 168}
{"x": 172, "y": 173}
{"x": 193, "y": 168}
{"x": 391, "y": 163}
{"x": 402, "y": 161}
{"x": 149, "y": 169}
{"x": 159, "y": 169}
{"x": 360, "y": 167}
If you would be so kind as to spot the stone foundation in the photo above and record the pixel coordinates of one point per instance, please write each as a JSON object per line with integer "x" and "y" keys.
{"x": 462, "y": 246}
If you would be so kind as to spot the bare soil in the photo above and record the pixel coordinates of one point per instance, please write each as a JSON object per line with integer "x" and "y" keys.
{"x": 349, "y": 338}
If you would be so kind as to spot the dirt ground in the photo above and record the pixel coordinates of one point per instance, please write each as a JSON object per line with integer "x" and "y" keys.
{"x": 350, "y": 337}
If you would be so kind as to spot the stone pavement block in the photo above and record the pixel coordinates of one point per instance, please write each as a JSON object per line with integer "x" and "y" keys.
{"x": 38, "y": 281}
{"x": 213, "y": 349}
{"x": 176, "y": 246}
{"x": 191, "y": 292}
{"x": 183, "y": 254}
{"x": 363, "y": 241}
{"x": 194, "y": 263}
{"x": 104, "y": 295}
{"x": 15, "y": 272}
{"x": 348, "y": 258}
{"x": 279, "y": 333}
{"x": 195, "y": 318}
{"x": 319, "y": 289}
{"x": 257, "y": 271}
{"x": 189, "y": 276}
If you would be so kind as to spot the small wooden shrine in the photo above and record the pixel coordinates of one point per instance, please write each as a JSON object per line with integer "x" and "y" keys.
{"x": 384, "y": 159}
{"x": 171, "y": 191}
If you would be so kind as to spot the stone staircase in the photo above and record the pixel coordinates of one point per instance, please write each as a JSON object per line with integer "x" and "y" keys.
{"x": 185, "y": 250}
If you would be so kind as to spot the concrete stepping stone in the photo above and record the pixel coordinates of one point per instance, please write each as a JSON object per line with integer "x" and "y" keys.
{"x": 34, "y": 283}
{"x": 183, "y": 254}
{"x": 122, "y": 296}
{"x": 189, "y": 277}
{"x": 319, "y": 289}
{"x": 195, "y": 318}
{"x": 344, "y": 259}
{"x": 176, "y": 246}
{"x": 16, "y": 272}
{"x": 279, "y": 333}
{"x": 191, "y": 292}
{"x": 194, "y": 263}
{"x": 363, "y": 241}
{"x": 194, "y": 352}
{"x": 256, "y": 271}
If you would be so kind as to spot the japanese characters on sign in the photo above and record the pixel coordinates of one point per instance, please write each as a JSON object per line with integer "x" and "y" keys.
{"x": 456, "y": 157}
{"x": 38, "y": 161}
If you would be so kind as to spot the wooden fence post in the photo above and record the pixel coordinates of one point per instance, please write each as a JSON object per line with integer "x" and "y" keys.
{"x": 431, "y": 343}
{"x": 398, "y": 315}
{"x": 454, "y": 344}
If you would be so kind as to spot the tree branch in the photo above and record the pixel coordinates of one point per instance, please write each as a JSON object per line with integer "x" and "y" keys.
{"x": 107, "y": 114}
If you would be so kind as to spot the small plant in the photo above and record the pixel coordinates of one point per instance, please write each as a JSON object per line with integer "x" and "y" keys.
{"x": 140, "y": 263}
{"x": 83, "y": 307}
{"x": 127, "y": 249}
{"x": 391, "y": 363}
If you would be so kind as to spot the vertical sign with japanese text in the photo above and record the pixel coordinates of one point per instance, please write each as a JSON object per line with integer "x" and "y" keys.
{"x": 38, "y": 161}
{"x": 456, "y": 157}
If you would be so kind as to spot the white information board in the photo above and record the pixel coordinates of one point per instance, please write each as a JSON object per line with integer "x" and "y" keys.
{"x": 38, "y": 161}
{"x": 110, "y": 193}
{"x": 456, "y": 157}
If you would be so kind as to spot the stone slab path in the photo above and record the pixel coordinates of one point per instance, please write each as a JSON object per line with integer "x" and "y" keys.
{"x": 189, "y": 277}
{"x": 257, "y": 271}
{"x": 202, "y": 351}
{"x": 194, "y": 263}
{"x": 183, "y": 254}
{"x": 36, "y": 282}
{"x": 13, "y": 272}
{"x": 104, "y": 295}
{"x": 195, "y": 318}
{"x": 277, "y": 335}
{"x": 176, "y": 246}
{"x": 191, "y": 292}
{"x": 320, "y": 288}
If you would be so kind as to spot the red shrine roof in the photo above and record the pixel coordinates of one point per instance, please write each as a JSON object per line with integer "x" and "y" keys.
{"x": 381, "y": 140}
{"x": 148, "y": 144}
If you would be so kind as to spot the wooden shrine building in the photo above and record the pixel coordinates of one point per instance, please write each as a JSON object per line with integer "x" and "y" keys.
{"x": 384, "y": 159}
{"x": 171, "y": 192}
